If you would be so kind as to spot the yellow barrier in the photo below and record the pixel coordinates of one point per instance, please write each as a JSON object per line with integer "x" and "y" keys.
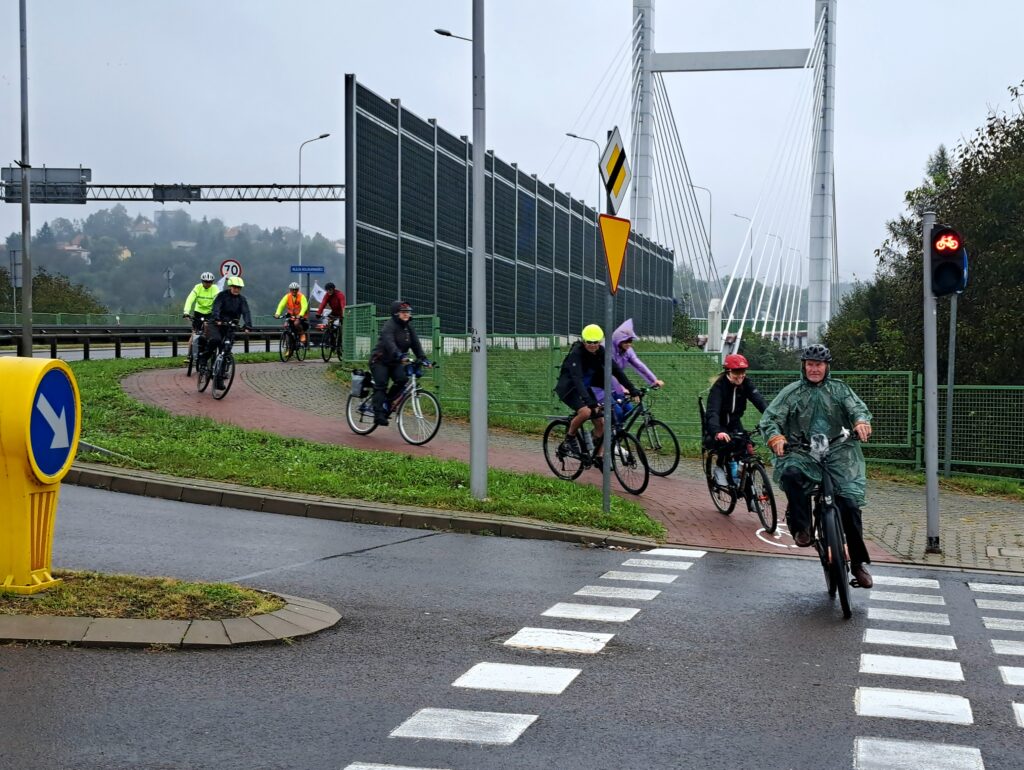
{"x": 40, "y": 422}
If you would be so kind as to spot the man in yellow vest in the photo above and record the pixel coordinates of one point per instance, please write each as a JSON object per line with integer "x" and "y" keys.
{"x": 294, "y": 305}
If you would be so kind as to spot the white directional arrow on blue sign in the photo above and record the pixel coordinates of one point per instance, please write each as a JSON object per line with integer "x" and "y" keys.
{"x": 59, "y": 425}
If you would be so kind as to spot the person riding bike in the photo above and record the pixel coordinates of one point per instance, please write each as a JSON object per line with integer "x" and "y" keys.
{"x": 334, "y": 299}
{"x": 199, "y": 303}
{"x": 297, "y": 306}
{"x": 624, "y": 355}
{"x": 388, "y": 359}
{"x": 229, "y": 306}
{"x": 814, "y": 404}
{"x": 582, "y": 371}
{"x": 727, "y": 401}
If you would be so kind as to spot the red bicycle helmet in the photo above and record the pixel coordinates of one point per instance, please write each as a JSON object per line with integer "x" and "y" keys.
{"x": 735, "y": 361}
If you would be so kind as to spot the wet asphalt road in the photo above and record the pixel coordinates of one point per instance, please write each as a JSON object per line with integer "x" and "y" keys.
{"x": 741, "y": 662}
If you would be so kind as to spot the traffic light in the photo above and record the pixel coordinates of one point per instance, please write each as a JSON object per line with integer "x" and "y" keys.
{"x": 948, "y": 261}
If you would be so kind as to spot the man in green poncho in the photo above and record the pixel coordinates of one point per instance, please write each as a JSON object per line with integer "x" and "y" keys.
{"x": 818, "y": 404}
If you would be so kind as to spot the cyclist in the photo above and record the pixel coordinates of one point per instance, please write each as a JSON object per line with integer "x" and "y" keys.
{"x": 581, "y": 372}
{"x": 334, "y": 299}
{"x": 388, "y": 359}
{"x": 818, "y": 404}
{"x": 199, "y": 303}
{"x": 623, "y": 355}
{"x": 297, "y": 306}
{"x": 230, "y": 305}
{"x": 727, "y": 401}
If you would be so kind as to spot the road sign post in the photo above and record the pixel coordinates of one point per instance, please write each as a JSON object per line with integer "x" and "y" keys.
{"x": 230, "y": 267}
{"x": 40, "y": 422}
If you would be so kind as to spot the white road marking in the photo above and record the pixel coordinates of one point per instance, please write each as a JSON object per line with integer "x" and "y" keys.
{"x": 1018, "y": 711}
{"x": 1003, "y": 624}
{"x": 909, "y": 639}
{"x": 894, "y": 596}
{"x": 540, "y": 680}
{"x": 373, "y": 766}
{"x": 639, "y": 577}
{"x": 997, "y": 588}
{"x": 1007, "y": 647}
{"x": 556, "y": 640}
{"x": 892, "y": 580}
{"x": 996, "y": 604}
{"x": 881, "y": 754}
{"x": 1011, "y": 675}
{"x": 657, "y": 564}
{"x": 490, "y": 727}
{"x": 913, "y": 704}
{"x": 908, "y": 616}
{"x": 923, "y": 668}
{"x": 682, "y": 552}
{"x": 600, "y": 612}
{"x": 614, "y": 592}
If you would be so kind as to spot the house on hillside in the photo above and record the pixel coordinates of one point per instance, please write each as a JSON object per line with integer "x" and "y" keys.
{"x": 142, "y": 227}
{"x": 74, "y": 247}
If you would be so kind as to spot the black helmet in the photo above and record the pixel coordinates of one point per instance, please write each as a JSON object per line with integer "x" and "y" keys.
{"x": 816, "y": 353}
{"x": 330, "y": 287}
{"x": 399, "y": 306}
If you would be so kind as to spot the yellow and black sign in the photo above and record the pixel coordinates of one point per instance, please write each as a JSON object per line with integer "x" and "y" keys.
{"x": 615, "y": 171}
{"x": 615, "y": 237}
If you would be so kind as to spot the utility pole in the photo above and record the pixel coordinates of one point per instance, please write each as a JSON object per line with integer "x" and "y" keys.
{"x": 931, "y": 392}
{"x": 26, "y": 194}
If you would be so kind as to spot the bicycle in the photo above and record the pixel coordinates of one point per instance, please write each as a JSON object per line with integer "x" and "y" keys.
{"x": 418, "y": 410}
{"x": 290, "y": 344}
{"x": 660, "y": 445}
{"x": 195, "y": 342}
{"x": 629, "y": 463}
{"x": 752, "y": 482}
{"x": 222, "y": 368}
{"x": 330, "y": 339}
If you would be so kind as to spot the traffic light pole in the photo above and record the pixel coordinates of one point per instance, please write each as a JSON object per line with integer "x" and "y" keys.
{"x": 931, "y": 391}
{"x": 950, "y": 379}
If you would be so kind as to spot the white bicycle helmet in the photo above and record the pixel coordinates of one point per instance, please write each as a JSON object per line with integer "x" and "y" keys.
{"x": 293, "y": 285}
{"x": 207, "y": 276}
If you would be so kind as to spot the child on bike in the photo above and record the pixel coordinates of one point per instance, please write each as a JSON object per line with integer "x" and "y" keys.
{"x": 727, "y": 401}
{"x": 397, "y": 338}
{"x": 581, "y": 372}
{"x": 624, "y": 355}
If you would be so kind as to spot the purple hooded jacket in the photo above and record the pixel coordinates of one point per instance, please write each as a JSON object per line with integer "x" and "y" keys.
{"x": 623, "y": 333}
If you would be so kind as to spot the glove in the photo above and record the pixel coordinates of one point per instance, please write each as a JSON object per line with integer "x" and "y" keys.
{"x": 184, "y": 315}
{"x": 406, "y": 360}
{"x": 634, "y": 393}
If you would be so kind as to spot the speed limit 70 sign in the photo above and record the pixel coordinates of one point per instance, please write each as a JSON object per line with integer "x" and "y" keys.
{"x": 230, "y": 267}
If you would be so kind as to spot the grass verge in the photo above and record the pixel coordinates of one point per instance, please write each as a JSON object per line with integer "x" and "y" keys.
{"x": 195, "y": 447}
{"x": 96, "y": 595}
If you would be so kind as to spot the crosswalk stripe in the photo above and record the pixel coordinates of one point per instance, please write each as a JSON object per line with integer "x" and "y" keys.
{"x": 908, "y": 616}
{"x": 996, "y": 604}
{"x": 1018, "y": 712}
{"x": 922, "y": 668}
{"x": 996, "y": 588}
{"x": 895, "y": 596}
{"x": 489, "y": 727}
{"x": 639, "y": 577}
{"x": 1007, "y": 647}
{"x": 913, "y": 704}
{"x": 599, "y": 612}
{"x": 909, "y": 639}
{"x": 508, "y": 677}
{"x": 1012, "y": 675}
{"x": 684, "y": 553}
{"x": 882, "y": 754}
{"x": 1003, "y": 624}
{"x": 374, "y": 766}
{"x": 558, "y": 640}
{"x": 614, "y": 592}
{"x": 657, "y": 564}
{"x": 893, "y": 580}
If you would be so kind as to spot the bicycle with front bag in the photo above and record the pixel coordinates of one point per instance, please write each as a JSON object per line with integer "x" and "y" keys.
{"x": 418, "y": 410}
{"x": 290, "y": 343}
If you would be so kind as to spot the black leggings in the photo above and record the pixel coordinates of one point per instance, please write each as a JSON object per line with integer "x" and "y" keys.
{"x": 382, "y": 396}
{"x": 798, "y": 517}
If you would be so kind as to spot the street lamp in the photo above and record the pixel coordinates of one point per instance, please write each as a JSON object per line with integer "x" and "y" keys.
{"x": 478, "y": 264}
{"x": 710, "y": 202}
{"x": 571, "y": 135}
{"x": 750, "y": 233}
{"x": 314, "y": 139}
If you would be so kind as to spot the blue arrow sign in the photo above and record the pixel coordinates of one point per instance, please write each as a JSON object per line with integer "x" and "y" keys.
{"x": 308, "y": 269}
{"x": 52, "y": 426}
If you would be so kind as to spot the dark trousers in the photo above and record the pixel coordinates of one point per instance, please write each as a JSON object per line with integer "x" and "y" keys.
{"x": 798, "y": 517}
{"x": 382, "y": 395}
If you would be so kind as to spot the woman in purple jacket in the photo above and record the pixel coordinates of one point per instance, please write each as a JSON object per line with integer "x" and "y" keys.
{"x": 623, "y": 355}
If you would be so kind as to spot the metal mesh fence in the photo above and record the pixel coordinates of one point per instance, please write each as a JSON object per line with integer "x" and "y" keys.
{"x": 988, "y": 426}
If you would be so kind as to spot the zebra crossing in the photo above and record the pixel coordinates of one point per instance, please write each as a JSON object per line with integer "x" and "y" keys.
{"x": 927, "y": 696}
{"x": 503, "y": 729}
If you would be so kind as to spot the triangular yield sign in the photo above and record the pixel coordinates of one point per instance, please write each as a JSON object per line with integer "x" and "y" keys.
{"x": 614, "y": 236}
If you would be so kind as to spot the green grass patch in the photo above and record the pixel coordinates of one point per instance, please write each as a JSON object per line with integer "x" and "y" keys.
{"x": 96, "y": 595}
{"x": 197, "y": 447}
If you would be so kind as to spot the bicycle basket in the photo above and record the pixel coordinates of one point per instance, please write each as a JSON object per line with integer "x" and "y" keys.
{"x": 360, "y": 383}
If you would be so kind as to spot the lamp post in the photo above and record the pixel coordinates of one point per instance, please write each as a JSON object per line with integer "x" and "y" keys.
{"x": 600, "y": 187}
{"x": 478, "y": 288}
{"x": 314, "y": 139}
{"x": 26, "y": 196}
{"x": 750, "y": 234}
{"x": 710, "y": 212}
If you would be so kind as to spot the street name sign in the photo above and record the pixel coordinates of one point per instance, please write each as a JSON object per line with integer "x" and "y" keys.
{"x": 308, "y": 269}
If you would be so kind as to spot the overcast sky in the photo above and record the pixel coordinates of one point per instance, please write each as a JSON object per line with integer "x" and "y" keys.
{"x": 224, "y": 92}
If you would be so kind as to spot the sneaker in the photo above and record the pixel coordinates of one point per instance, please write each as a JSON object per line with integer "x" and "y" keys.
{"x": 803, "y": 538}
{"x": 570, "y": 446}
{"x": 718, "y": 474}
{"x": 861, "y": 576}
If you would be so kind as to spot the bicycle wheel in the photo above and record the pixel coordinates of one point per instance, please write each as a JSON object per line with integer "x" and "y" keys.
{"x": 839, "y": 568}
{"x": 301, "y": 348}
{"x": 227, "y": 374}
{"x": 761, "y": 497}
{"x": 630, "y": 463}
{"x": 565, "y": 465}
{"x": 724, "y": 498}
{"x": 327, "y": 345}
{"x": 359, "y": 414}
{"x": 203, "y": 374}
{"x": 285, "y": 346}
{"x": 419, "y": 416}
{"x": 660, "y": 446}
{"x": 190, "y": 357}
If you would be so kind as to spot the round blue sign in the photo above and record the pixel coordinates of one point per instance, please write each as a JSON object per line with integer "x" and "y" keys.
{"x": 53, "y": 423}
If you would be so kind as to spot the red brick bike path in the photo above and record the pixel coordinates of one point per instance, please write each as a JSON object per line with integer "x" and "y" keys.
{"x": 261, "y": 398}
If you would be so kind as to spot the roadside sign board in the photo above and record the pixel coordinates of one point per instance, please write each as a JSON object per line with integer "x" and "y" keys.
{"x": 308, "y": 269}
{"x": 230, "y": 267}
{"x": 615, "y": 171}
{"x": 615, "y": 237}
{"x": 54, "y": 425}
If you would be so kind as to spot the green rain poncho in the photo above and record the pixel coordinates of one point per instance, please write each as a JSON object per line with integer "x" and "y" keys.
{"x": 803, "y": 409}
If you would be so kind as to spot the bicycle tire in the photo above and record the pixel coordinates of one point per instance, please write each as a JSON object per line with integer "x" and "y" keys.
{"x": 724, "y": 498}
{"x": 227, "y": 374}
{"x": 564, "y": 466}
{"x": 327, "y": 345}
{"x": 202, "y": 375}
{"x": 360, "y": 420}
{"x": 284, "y": 349}
{"x": 839, "y": 570}
{"x": 660, "y": 446}
{"x": 759, "y": 489}
{"x": 629, "y": 463}
{"x": 190, "y": 356}
{"x": 419, "y": 417}
{"x": 301, "y": 348}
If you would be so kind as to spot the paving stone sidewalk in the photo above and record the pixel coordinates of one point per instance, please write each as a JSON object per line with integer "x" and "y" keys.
{"x": 304, "y": 400}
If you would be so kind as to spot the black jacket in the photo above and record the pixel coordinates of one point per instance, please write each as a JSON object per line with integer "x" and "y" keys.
{"x": 578, "y": 364}
{"x": 396, "y": 339}
{"x": 727, "y": 402}
{"x": 228, "y": 307}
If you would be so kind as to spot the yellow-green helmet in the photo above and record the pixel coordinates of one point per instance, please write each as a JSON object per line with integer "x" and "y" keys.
{"x": 592, "y": 333}
{"x": 234, "y": 280}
